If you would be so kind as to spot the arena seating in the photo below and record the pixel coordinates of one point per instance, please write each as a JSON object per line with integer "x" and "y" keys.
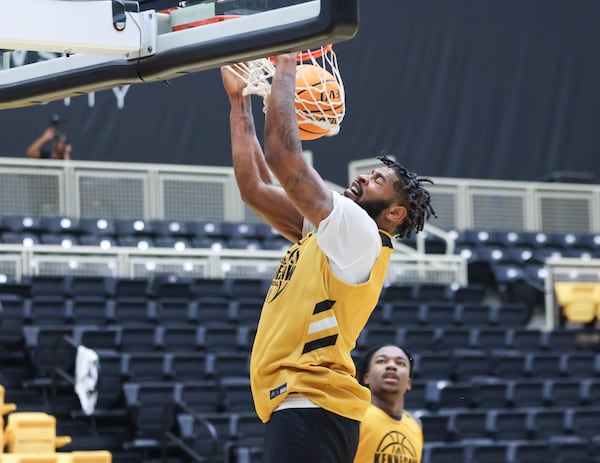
{"x": 90, "y": 231}
{"x": 174, "y": 352}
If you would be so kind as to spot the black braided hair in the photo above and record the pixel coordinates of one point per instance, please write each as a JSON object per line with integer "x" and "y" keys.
{"x": 417, "y": 199}
{"x": 364, "y": 363}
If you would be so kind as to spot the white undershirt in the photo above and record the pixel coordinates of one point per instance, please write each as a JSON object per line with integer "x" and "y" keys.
{"x": 350, "y": 239}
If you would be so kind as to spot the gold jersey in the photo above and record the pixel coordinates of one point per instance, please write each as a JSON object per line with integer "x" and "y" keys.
{"x": 385, "y": 439}
{"x": 309, "y": 324}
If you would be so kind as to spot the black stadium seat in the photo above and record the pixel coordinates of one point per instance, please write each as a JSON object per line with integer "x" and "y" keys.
{"x": 440, "y": 313}
{"x": 470, "y": 363}
{"x": 547, "y": 423}
{"x": 93, "y": 226}
{"x": 444, "y": 453}
{"x": 506, "y": 425}
{"x": 50, "y": 310}
{"x": 486, "y": 385}
{"x": 188, "y": 366}
{"x": 148, "y": 404}
{"x": 169, "y": 228}
{"x": 565, "y": 392}
{"x": 470, "y": 425}
{"x": 406, "y": 313}
{"x": 454, "y": 338}
{"x": 375, "y": 335}
{"x": 488, "y": 339}
{"x": 91, "y": 286}
{"x": 236, "y": 394}
{"x": 584, "y": 421}
{"x": 436, "y": 427}
{"x": 419, "y": 339}
{"x": 525, "y": 451}
{"x": 527, "y": 393}
{"x": 489, "y": 393}
{"x": 145, "y": 366}
{"x": 204, "y": 396}
{"x": 488, "y": 452}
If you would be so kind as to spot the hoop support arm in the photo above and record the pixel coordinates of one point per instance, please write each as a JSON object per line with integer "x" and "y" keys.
{"x": 102, "y": 27}
{"x": 297, "y": 27}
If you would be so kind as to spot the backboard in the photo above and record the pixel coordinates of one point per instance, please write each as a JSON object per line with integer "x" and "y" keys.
{"x": 54, "y": 49}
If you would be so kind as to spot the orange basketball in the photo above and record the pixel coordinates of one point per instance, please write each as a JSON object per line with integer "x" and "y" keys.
{"x": 319, "y": 102}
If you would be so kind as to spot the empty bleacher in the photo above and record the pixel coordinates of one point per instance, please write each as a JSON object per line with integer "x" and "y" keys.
{"x": 491, "y": 381}
{"x": 485, "y": 385}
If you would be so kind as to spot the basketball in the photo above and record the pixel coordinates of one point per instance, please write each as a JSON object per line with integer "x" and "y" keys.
{"x": 319, "y": 102}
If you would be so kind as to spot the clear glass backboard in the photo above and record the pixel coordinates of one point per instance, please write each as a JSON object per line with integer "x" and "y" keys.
{"x": 54, "y": 49}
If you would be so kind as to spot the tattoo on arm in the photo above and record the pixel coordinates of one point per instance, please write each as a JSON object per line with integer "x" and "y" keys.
{"x": 288, "y": 129}
{"x": 290, "y": 138}
{"x": 246, "y": 118}
{"x": 296, "y": 186}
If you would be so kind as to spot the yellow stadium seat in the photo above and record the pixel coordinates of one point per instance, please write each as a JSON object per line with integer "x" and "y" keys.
{"x": 32, "y": 458}
{"x": 4, "y": 410}
{"x": 100, "y": 456}
{"x": 97, "y": 456}
{"x": 4, "y": 407}
{"x": 580, "y": 301}
{"x": 33, "y": 432}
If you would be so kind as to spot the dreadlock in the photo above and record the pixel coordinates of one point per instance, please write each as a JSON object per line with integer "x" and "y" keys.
{"x": 417, "y": 198}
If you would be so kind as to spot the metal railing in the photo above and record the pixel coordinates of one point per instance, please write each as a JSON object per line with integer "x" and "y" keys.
{"x": 17, "y": 261}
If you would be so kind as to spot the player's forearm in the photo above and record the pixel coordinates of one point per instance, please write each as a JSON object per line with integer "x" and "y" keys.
{"x": 283, "y": 149}
{"x": 282, "y": 139}
{"x": 248, "y": 162}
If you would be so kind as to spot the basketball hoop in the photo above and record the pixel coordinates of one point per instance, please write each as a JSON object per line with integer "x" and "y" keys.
{"x": 203, "y": 22}
{"x": 324, "y": 113}
{"x": 320, "y": 97}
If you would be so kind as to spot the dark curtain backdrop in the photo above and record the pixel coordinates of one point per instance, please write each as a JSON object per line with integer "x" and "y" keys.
{"x": 463, "y": 88}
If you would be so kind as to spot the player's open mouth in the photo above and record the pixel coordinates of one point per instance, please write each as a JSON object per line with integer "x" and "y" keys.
{"x": 354, "y": 191}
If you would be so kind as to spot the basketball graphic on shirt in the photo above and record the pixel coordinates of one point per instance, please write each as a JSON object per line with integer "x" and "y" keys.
{"x": 397, "y": 448}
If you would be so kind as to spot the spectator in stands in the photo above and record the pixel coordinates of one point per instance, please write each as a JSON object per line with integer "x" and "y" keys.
{"x": 328, "y": 283}
{"x": 388, "y": 432}
{"x": 59, "y": 148}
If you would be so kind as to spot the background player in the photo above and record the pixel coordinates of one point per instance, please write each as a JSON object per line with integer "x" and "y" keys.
{"x": 388, "y": 430}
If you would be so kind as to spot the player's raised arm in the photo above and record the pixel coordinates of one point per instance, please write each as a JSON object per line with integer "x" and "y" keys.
{"x": 254, "y": 181}
{"x": 283, "y": 149}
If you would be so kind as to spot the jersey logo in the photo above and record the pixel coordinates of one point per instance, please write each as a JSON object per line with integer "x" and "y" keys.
{"x": 395, "y": 447}
{"x": 277, "y": 391}
{"x": 283, "y": 274}
{"x": 323, "y": 324}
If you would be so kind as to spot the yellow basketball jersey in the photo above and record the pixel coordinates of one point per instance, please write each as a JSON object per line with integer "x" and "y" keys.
{"x": 309, "y": 324}
{"x": 382, "y": 438}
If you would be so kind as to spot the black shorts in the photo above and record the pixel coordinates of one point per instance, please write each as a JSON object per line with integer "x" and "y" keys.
{"x": 315, "y": 435}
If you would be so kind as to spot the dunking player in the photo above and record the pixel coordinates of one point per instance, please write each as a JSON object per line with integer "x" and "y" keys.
{"x": 328, "y": 283}
{"x": 388, "y": 432}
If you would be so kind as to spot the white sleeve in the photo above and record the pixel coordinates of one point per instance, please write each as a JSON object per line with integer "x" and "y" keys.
{"x": 350, "y": 239}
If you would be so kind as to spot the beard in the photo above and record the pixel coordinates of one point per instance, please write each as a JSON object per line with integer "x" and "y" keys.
{"x": 373, "y": 207}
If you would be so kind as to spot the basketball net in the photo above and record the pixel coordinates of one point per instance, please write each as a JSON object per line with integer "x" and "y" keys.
{"x": 257, "y": 74}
